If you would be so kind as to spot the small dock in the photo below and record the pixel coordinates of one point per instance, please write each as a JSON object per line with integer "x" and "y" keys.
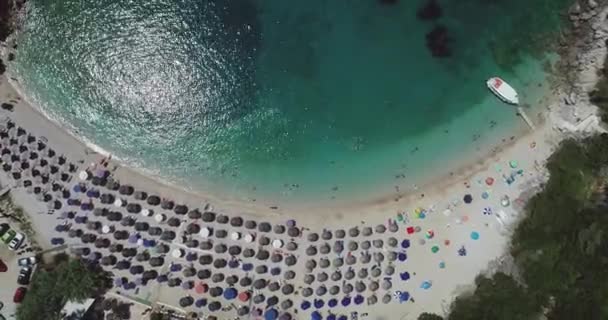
{"x": 523, "y": 115}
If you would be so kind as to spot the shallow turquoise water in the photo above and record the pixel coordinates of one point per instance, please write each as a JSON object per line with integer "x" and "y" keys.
{"x": 281, "y": 99}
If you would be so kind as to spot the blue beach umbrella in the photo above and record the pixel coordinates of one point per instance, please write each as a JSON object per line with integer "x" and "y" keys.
{"x": 191, "y": 256}
{"x": 402, "y": 256}
{"x": 405, "y": 244}
{"x": 271, "y": 314}
{"x": 474, "y": 235}
{"x": 342, "y": 317}
{"x": 275, "y": 271}
{"x": 305, "y": 305}
{"x": 425, "y": 285}
{"x": 162, "y": 278}
{"x": 77, "y": 188}
{"x": 332, "y": 303}
{"x": 200, "y": 303}
{"x": 346, "y": 301}
{"x": 233, "y": 264}
{"x": 331, "y": 317}
{"x": 404, "y": 276}
{"x": 319, "y": 303}
{"x": 404, "y": 296}
{"x": 359, "y": 299}
{"x": 230, "y": 293}
{"x": 133, "y": 238}
{"x": 117, "y": 282}
{"x": 247, "y": 266}
{"x": 316, "y": 316}
{"x": 175, "y": 267}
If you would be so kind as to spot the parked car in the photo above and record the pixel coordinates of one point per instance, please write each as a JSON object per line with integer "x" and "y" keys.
{"x": 4, "y": 228}
{"x": 27, "y": 261}
{"x": 8, "y": 236}
{"x": 19, "y": 294}
{"x": 24, "y": 276}
{"x": 16, "y": 242}
{"x": 3, "y": 267}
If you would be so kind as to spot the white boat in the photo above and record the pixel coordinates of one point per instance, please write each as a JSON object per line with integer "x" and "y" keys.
{"x": 502, "y": 90}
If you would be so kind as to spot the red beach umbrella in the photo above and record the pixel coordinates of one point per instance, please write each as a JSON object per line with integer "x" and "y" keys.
{"x": 201, "y": 288}
{"x": 244, "y": 296}
{"x": 489, "y": 181}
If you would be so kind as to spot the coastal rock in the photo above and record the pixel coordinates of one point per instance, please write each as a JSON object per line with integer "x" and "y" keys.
{"x": 575, "y": 9}
{"x": 592, "y": 4}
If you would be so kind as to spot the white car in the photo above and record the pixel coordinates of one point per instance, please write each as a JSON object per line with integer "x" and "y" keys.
{"x": 16, "y": 241}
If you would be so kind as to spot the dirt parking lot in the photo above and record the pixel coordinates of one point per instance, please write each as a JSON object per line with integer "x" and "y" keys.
{"x": 8, "y": 281}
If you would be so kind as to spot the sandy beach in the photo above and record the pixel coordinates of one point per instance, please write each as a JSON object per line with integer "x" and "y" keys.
{"x": 429, "y": 243}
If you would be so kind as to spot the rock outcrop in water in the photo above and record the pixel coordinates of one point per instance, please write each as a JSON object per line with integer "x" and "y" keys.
{"x": 437, "y": 41}
{"x": 430, "y": 11}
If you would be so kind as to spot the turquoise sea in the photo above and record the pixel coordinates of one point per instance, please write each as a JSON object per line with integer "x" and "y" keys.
{"x": 286, "y": 100}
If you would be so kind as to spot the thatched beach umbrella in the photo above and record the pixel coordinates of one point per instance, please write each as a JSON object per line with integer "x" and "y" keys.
{"x": 248, "y": 253}
{"x": 276, "y": 258}
{"x": 353, "y": 232}
{"x": 324, "y": 263}
{"x": 311, "y": 250}
{"x": 353, "y": 245}
{"x": 324, "y": 248}
{"x": 347, "y": 288}
{"x": 279, "y": 229}
{"x": 123, "y": 265}
{"x": 155, "y": 231}
{"x": 203, "y": 274}
{"x": 143, "y": 256}
{"x": 250, "y": 224}
{"x": 378, "y": 243}
{"x": 186, "y": 301}
{"x": 127, "y": 221}
{"x": 216, "y": 291}
{"x": 234, "y": 250}
{"x": 167, "y": 204}
{"x": 392, "y": 242}
{"x": 311, "y": 265}
{"x": 221, "y": 219}
{"x": 393, "y": 227}
{"x": 174, "y": 222}
{"x": 141, "y": 226}
{"x": 307, "y": 292}
{"x": 140, "y": 195}
{"x": 263, "y": 240}
{"x": 220, "y": 263}
{"x": 290, "y": 260}
{"x": 312, "y": 237}
{"x": 261, "y": 269}
{"x": 391, "y": 256}
{"x": 205, "y": 245}
{"x": 232, "y": 280}
{"x": 180, "y": 209}
{"x": 245, "y": 281}
{"x": 264, "y": 227}
{"x": 274, "y": 286}
{"x": 389, "y": 270}
{"x": 174, "y": 282}
{"x": 291, "y": 246}
{"x": 367, "y": 231}
{"x": 149, "y": 274}
{"x": 156, "y": 261}
{"x": 360, "y": 286}
{"x": 126, "y": 190}
{"x": 221, "y": 233}
{"x": 349, "y": 274}
{"x": 114, "y": 216}
{"x": 380, "y": 228}
{"x": 133, "y": 208}
{"x": 128, "y": 252}
{"x": 326, "y": 235}
{"x": 205, "y": 259}
{"x": 259, "y": 284}
{"x": 378, "y": 257}
{"x": 365, "y": 245}
{"x": 191, "y": 243}
{"x": 366, "y": 258}
{"x": 108, "y": 260}
{"x": 121, "y": 235}
{"x": 263, "y": 255}
{"x": 289, "y": 275}
{"x": 376, "y": 272}
{"x": 193, "y": 228}
{"x": 116, "y": 247}
{"x": 321, "y": 290}
{"x": 220, "y": 248}
{"x": 167, "y": 235}
{"x": 153, "y": 200}
{"x": 208, "y": 216}
{"x": 351, "y": 259}
{"x": 195, "y": 214}
{"x": 236, "y": 221}
{"x": 189, "y": 272}
{"x": 322, "y": 277}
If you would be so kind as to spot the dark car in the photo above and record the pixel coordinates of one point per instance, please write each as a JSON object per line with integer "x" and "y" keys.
{"x": 19, "y": 294}
{"x": 3, "y": 266}
{"x": 4, "y": 227}
{"x": 24, "y": 276}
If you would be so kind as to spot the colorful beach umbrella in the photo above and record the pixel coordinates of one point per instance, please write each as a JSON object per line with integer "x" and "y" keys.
{"x": 405, "y": 244}
{"x": 474, "y": 235}
{"x": 305, "y": 305}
